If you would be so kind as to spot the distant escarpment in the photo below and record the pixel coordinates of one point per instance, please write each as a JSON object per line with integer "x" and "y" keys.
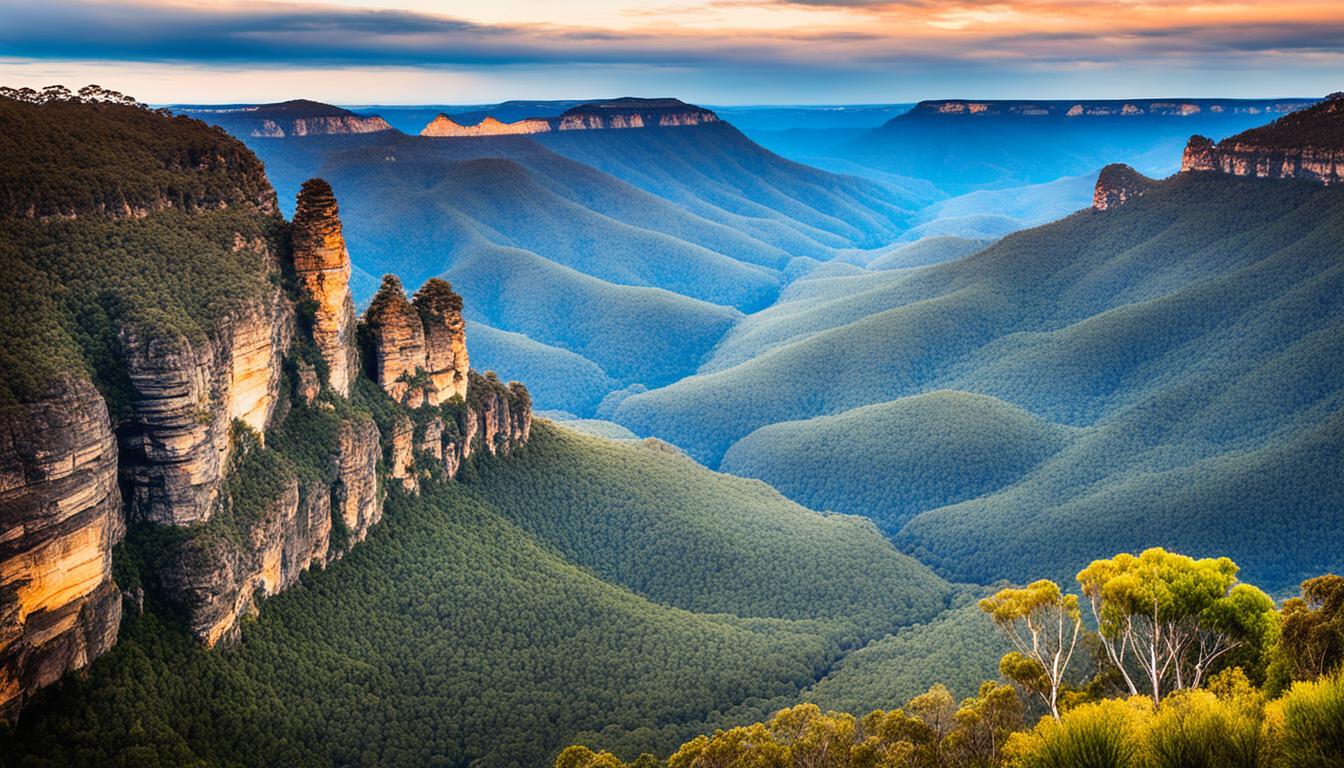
{"x": 1303, "y": 145}
{"x": 1118, "y": 183}
{"x": 598, "y": 115}
{"x": 299, "y": 117}
{"x": 1099, "y": 108}
{"x": 184, "y": 383}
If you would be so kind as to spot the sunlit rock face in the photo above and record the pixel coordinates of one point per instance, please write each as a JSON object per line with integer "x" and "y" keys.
{"x": 175, "y": 440}
{"x": 1117, "y": 184}
{"x": 445, "y": 126}
{"x": 446, "y": 361}
{"x": 599, "y": 115}
{"x": 333, "y": 125}
{"x": 322, "y": 270}
{"x": 60, "y": 515}
{"x": 1308, "y": 145}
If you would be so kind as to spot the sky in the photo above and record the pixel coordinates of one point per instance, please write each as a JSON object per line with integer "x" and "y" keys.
{"x": 720, "y": 52}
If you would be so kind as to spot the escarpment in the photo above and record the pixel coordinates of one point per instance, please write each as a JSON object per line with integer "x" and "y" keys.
{"x": 599, "y": 115}
{"x": 1307, "y": 144}
{"x": 1118, "y": 183}
{"x": 210, "y": 417}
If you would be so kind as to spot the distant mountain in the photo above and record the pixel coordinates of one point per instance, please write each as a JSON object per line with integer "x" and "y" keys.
{"x": 1192, "y": 334}
{"x": 963, "y": 145}
{"x": 299, "y": 117}
{"x": 607, "y": 235}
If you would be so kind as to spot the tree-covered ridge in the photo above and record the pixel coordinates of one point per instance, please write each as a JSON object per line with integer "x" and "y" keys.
{"x": 75, "y": 283}
{"x": 1319, "y": 127}
{"x": 1231, "y": 681}
{"x": 130, "y": 161}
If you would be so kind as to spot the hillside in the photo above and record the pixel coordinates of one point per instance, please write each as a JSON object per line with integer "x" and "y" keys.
{"x": 473, "y": 614}
{"x": 933, "y": 449}
{"x": 604, "y": 234}
{"x": 1171, "y": 337}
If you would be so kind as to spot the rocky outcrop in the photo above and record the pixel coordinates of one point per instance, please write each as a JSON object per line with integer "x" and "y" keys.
{"x": 215, "y": 578}
{"x": 445, "y": 341}
{"x": 355, "y": 494}
{"x": 322, "y": 271}
{"x": 1100, "y": 108}
{"x": 397, "y": 338}
{"x": 319, "y": 126}
{"x": 186, "y": 395}
{"x": 1308, "y": 144}
{"x": 59, "y": 608}
{"x": 401, "y": 454}
{"x": 419, "y": 349}
{"x": 445, "y": 126}
{"x": 1117, "y": 184}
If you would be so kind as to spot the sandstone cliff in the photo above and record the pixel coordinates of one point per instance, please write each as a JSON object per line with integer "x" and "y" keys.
{"x": 59, "y": 608}
{"x": 1118, "y": 183}
{"x": 209, "y": 431}
{"x": 444, "y": 125}
{"x": 322, "y": 270}
{"x": 1308, "y": 144}
{"x": 319, "y": 126}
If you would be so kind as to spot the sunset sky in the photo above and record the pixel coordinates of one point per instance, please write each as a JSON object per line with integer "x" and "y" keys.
{"x": 710, "y": 51}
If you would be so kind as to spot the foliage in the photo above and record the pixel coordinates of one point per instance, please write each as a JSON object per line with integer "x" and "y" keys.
{"x": 1309, "y": 723}
{"x": 1311, "y": 639}
{"x": 1172, "y": 617}
{"x": 1043, "y": 625}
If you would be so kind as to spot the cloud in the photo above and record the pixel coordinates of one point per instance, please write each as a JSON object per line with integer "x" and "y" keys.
{"x": 913, "y": 34}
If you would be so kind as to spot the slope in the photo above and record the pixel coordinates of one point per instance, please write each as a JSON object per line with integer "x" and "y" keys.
{"x": 1197, "y": 333}
{"x": 917, "y": 453}
{"x": 454, "y": 630}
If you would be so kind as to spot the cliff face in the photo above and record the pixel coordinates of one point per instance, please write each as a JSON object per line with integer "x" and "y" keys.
{"x": 175, "y": 440}
{"x": 236, "y": 463}
{"x": 1118, "y": 183}
{"x": 1308, "y": 144}
{"x": 322, "y": 270}
{"x": 319, "y": 126}
{"x": 444, "y": 125}
{"x": 59, "y": 608}
{"x": 600, "y": 115}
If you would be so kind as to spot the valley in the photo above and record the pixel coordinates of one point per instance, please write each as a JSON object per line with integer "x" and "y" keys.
{"x": 610, "y": 423}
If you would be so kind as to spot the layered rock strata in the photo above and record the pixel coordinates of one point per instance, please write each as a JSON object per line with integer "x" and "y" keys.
{"x": 322, "y": 271}
{"x": 419, "y": 349}
{"x": 59, "y": 608}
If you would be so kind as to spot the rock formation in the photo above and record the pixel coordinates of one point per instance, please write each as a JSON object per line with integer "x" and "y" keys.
{"x": 59, "y": 608}
{"x": 319, "y": 126}
{"x": 187, "y": 393}
{"x": 445, "y": 341}
{"x": 228, "y": 515}
{"x": 1118, "y": 183}
{"x": 322, "y": 270}
{"x": 1308, "y": 144}
{"x": 398, "y": 343}
{"x": 419, "y": 349}
{"x": 445, "y": 126}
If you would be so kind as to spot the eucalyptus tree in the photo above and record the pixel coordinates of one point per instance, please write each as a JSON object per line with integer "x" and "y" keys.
{"x": 1043, "y": 625}
{"x": 1165, "y": 619}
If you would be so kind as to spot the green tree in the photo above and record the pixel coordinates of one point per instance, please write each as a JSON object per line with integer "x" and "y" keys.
{"x": 1043, "y": 625}
{"x": 1311, "y": 640}
{"x": 1170, "y": 618}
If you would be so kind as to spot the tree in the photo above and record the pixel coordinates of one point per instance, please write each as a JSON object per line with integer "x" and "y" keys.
{"x": 1170, "y": 617}
{"x": 984, "y": 724}
{"x": 1043, "y": 625}
{"x": 1311, "y": 641}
